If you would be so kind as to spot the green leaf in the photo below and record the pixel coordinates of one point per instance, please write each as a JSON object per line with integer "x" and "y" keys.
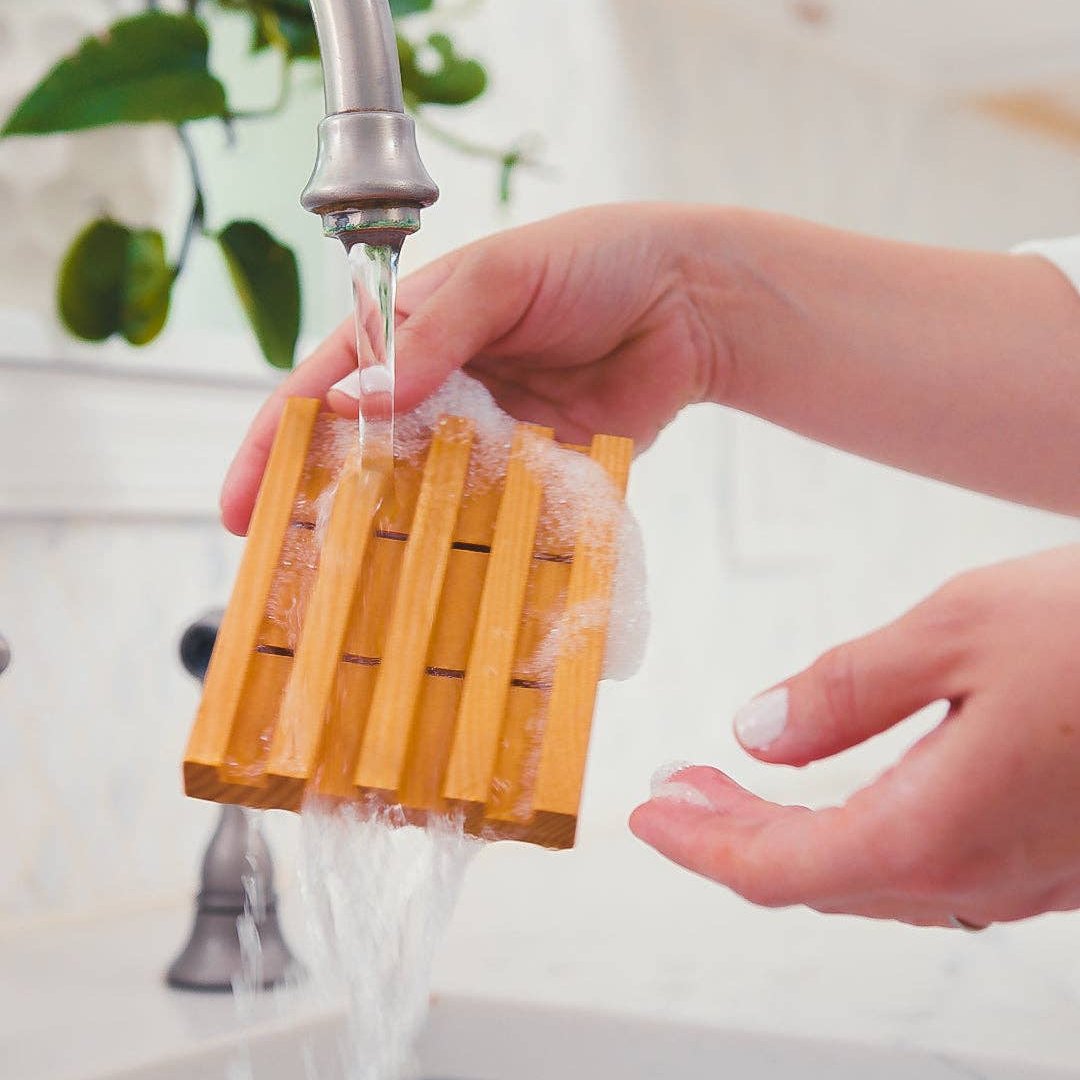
{"x": 268, "y": 284}
{"x": 115, "y": 280}
{"x": 149, "y": 287}
{"x": 261, "y": 34}
{"x": 295, "y": 34}
{"x": 400, "y": 8}
{"x": 455, "y": 81}
{"x": 148, "y": 68}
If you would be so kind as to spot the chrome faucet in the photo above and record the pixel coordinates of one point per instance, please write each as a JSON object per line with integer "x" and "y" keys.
{"x": 369, "y": 182}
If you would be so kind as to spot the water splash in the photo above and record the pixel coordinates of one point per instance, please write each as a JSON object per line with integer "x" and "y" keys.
{"x": 377, "y": 895}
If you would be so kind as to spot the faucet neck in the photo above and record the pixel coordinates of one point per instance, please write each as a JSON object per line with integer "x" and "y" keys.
{"x": 369, "y": 181}
{"x": 360, "y": 58}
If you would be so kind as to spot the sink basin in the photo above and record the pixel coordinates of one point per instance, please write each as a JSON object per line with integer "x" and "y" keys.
{"x": 474, "y": 1039}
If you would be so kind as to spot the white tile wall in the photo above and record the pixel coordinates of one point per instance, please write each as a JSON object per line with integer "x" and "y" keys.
{"x": 763, "y": 549}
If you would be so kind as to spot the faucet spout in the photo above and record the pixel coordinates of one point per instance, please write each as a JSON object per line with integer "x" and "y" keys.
{"x": 369, "y": 182}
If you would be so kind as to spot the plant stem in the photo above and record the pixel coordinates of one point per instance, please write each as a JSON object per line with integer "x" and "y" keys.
{"x": 197, "y": 217}
{"x": 458, "y": 142}
{"x": 508, "y": 159}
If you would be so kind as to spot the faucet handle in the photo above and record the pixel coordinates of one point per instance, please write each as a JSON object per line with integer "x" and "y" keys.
{"x": 197, "y": 643}
{"x": 5, "y": 654}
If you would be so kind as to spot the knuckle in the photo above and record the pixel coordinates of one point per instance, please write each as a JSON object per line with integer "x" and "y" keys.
{"x": 958, "y": 604}
{"x": 928, "y": 864}
{"x": 834, "y": 675}
{"x": 763, "y": 892}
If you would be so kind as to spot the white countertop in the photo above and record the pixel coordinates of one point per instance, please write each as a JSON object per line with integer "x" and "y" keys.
{"x": 632, "y": 933}
{"x": 639, "y": 940}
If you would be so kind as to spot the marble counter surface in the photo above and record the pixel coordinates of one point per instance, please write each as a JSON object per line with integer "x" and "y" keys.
{"x": 612, "y": 926}
{"x": 625, "y": 940}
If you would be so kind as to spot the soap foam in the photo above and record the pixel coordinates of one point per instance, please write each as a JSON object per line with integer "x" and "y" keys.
{"x": 576, "y": 489}
{"x": 664, "y": 786}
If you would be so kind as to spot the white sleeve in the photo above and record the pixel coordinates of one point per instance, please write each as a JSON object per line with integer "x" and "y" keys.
{"x": 1064, "y": 253}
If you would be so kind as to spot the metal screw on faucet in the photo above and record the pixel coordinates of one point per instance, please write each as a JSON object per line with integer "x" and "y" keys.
{"x": 236, "y": 869}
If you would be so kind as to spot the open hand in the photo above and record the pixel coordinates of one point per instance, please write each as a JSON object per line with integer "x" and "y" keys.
{"x": 979, "y": 821}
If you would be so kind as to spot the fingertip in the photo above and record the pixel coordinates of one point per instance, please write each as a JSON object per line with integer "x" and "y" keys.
{"x": 761, "y": 723}
{"x": 343, "y": 404}
{"x": 660, "y": 821}
{"x": 235, "y": 503}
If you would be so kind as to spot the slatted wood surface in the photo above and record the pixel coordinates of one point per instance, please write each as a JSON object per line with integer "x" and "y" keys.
{"x": 394, "y": 658}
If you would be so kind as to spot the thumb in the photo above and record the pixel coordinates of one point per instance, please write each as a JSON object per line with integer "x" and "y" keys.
{"x": 856, "y": 690}
{"x": 458, "y": 307}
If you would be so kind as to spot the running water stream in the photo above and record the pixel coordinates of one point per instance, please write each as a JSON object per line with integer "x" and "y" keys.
{"x": 374, "y": 269}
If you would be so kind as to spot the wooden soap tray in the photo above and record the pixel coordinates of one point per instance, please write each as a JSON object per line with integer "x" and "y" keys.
{"x": 397, "y": 660}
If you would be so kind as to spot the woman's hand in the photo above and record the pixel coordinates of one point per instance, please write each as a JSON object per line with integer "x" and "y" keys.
{"x": 584, "y": 323}
{"x": 980, "y": 820}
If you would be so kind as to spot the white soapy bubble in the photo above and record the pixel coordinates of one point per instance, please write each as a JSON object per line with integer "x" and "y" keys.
{"x": 664, "y": 786}
{"x": 576, "y": 489}
{"x": 665, "y": 772}
{"x": 465, "y": 397}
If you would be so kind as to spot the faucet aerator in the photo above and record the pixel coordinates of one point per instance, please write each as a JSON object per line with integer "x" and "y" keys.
{"x": 369, "y": 182}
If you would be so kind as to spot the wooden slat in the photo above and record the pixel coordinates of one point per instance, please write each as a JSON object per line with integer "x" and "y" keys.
{"x": 487, "y": 677}
{"x": 425, "y": 762}
{"x": 307, "y": 701}
{"x": 333, "y": 440}
{"x": 553, "y": 538}
{"x": 367, "y": 628}
{"x": 333, "y": 775}
{"x": 557, "y": 794}
{"x": 389, "y": 726}
{"x": 545, "y": 600}
{"x": 291, "y": 588}
{"x": 256, "y": 716}
{"x": 240, "y": 626}
{"x": 510, "y": 797}
{"x": 454, "y": 622}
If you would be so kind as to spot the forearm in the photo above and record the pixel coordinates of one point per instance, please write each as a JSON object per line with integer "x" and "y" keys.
{"x": 958, "y": 365}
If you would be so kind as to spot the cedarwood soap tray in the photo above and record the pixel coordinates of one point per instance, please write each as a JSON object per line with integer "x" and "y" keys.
{"x": 421, "y": 641}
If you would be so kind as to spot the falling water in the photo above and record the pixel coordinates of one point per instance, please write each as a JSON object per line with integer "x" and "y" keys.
{"x": 374, "y": 278}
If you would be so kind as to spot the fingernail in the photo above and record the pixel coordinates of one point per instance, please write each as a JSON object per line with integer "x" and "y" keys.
{"x": 761, "y": 722}
{"x": 376, "y": 379}
{"x": 349, "y": 386}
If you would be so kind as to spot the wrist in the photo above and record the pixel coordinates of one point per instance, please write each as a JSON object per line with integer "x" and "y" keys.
{"x": 718, "y": 254}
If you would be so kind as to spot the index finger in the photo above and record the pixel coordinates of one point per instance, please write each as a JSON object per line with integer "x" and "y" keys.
{"x": 332, "y": 360}
{"x": 771, "y": 854}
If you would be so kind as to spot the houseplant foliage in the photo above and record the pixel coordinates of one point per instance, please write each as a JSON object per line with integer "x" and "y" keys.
{"x": 153, "y": 68}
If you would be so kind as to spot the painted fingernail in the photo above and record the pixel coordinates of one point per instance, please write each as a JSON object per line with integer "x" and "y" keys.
{"x": 349, "y": 386}
{"x": 761, "y": 722}
{"x": 377, "y": 379}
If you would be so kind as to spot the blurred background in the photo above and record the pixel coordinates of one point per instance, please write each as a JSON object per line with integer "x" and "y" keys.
{"x": 954, "y": 122}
